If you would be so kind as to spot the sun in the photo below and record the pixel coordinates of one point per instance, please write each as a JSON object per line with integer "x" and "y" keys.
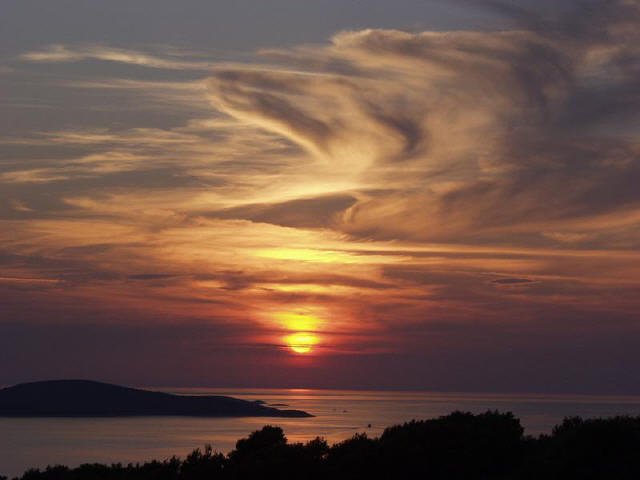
{"x": 301, "y": 342}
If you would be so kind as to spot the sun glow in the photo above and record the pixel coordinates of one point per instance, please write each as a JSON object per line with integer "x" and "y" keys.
{"x": 307, "y": 255}
{"x": 298, "y": 321}
{"x": 301, "y": 342}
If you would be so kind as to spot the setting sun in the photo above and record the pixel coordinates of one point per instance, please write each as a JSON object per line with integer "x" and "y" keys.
{"x": 301, "y": 342}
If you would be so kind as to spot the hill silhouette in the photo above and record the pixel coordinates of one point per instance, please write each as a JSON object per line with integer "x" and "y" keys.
{"x": 85, "y": 398}
{"x": 459, "y": 446}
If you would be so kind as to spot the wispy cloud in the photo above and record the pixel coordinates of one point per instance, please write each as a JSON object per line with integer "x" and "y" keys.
{"x": 59, "y": 53}
{"x": 489, "y": 135}
{"x": 403, "y": 187}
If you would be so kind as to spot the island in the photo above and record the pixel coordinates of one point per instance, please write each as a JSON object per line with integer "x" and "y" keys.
{"x": 86, "y": 398}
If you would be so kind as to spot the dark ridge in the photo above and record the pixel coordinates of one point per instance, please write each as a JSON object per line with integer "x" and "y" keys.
{"x": 459, "y": 446}
{"x": 85, "y": 398}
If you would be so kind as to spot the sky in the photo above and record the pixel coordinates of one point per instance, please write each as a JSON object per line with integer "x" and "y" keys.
{"x": 438, "y": 195}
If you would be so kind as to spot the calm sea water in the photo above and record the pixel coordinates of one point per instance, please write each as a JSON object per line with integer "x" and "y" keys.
{"x": 33, "y": 442}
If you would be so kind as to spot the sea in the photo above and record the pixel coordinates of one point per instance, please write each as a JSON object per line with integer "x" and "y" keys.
{"x": 338, "y": 414}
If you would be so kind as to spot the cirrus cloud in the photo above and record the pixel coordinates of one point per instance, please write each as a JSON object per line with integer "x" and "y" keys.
{"x": 494, "y": 136}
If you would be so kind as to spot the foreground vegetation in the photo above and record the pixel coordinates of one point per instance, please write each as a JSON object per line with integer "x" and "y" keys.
{"x": 457, "y": 446}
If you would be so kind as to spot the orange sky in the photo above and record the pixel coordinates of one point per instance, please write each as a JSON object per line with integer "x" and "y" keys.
{"x": 414, "y": 199}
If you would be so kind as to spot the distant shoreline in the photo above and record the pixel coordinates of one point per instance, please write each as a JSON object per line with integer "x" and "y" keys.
{"x": 86, "y": 398}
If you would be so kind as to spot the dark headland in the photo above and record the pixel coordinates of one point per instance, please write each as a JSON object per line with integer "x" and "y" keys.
{"x": 85, "y": 398}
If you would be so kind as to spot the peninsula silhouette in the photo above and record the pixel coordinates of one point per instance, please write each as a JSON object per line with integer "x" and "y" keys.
{"x": 86, "y": 398}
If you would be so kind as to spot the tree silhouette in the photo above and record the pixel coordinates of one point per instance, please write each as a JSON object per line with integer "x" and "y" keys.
{"x": 488, "y": 446}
